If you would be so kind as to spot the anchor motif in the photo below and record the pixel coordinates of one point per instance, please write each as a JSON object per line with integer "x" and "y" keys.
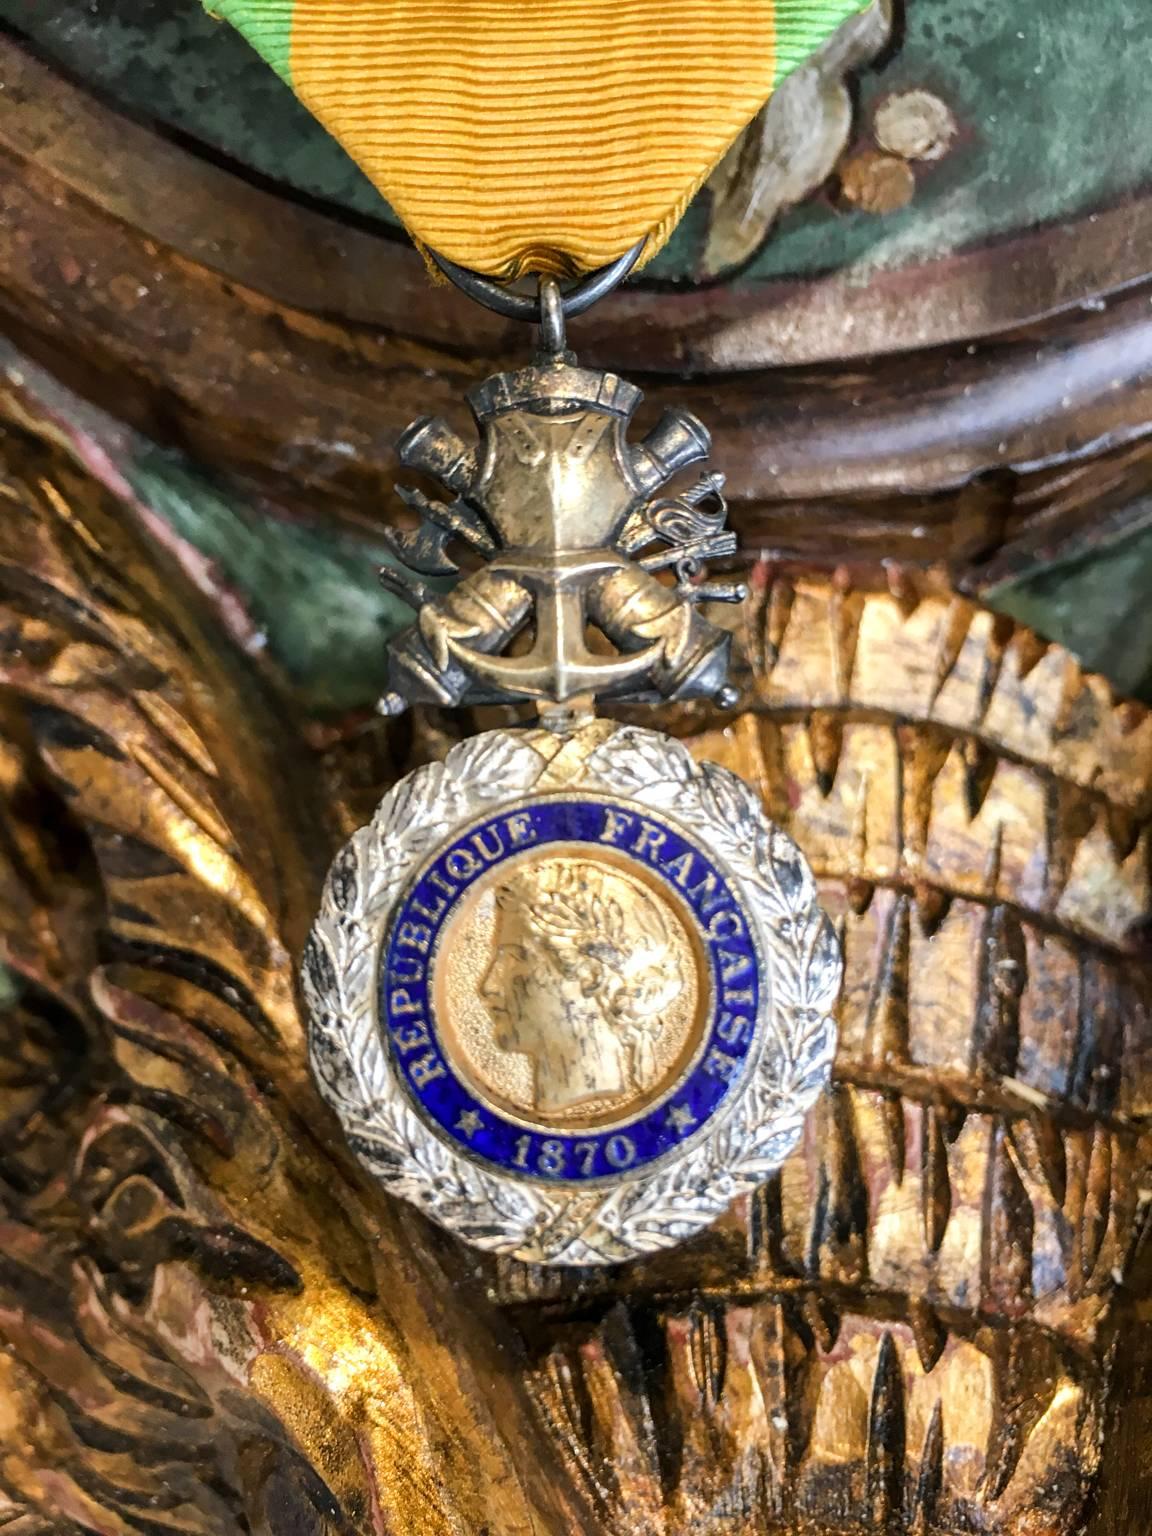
{"x": 559, "y": 666}
{"x": 581, "y": 582}
{"x": 574, "y": 534}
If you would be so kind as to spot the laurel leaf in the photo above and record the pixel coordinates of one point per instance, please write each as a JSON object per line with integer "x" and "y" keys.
{"x": 344, "y": 875}
{"x": 494, "y": 762}
{"x": 635, "y": 761}
{"x": 732, "y": 802}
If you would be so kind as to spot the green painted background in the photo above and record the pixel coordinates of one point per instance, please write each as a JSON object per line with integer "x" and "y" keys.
{"x": 1052, "y": 97}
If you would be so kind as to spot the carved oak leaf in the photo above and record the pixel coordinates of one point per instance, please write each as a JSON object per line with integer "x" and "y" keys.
{"x": 252, "y": 1341}
{"x": 792, "y": 145}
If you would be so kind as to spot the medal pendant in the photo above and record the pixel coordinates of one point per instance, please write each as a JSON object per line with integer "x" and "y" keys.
{"x": 571, "y": 991}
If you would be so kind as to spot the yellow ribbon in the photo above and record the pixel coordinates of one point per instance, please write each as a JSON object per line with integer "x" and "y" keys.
{"x": 542, "y": 135}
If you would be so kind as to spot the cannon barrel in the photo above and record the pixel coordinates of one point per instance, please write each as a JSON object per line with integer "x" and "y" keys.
{"x": 432, "y": 447}
{"x": 677, "y": 440}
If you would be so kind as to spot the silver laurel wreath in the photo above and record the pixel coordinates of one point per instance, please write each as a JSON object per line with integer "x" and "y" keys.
{"x": 665, "y": 1202}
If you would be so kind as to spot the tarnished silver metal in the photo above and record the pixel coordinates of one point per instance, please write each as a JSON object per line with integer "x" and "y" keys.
{"x": 571, "y": 991}
{"x": 552, "y": 327}
{"x": 575, "y": 527}
{"x": 519, "y": 306}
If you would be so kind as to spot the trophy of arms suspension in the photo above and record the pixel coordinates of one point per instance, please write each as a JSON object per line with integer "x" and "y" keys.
{"x": 573, "y": 529}
{"x": 916, "y": 1340}
{"x": 683, "y": 1024}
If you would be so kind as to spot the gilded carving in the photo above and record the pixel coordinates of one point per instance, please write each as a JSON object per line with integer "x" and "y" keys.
{"x": 212, "y": 1324}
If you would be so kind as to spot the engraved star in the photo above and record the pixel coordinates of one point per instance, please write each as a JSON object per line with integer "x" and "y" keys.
{"x": 680, "y": 1118}
{"x": 469, "y": 1122}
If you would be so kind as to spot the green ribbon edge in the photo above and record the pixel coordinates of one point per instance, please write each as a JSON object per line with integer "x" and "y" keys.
{"x": 266, "y": 24}
{"x": 802, "y": 27}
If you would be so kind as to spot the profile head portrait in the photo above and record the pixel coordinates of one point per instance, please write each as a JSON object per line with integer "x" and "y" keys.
{"x": 583, "y": 967}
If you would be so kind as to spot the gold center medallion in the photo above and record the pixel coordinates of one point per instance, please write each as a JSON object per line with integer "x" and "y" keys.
{"x": 570, "y": 989}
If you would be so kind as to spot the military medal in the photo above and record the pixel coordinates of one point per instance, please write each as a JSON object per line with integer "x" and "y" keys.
{"x": 571, "y": 991}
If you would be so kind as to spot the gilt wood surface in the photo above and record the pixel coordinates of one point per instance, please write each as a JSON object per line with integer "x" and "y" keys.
{"x": 200, "y": 1332}
{"x": 936, "y": 1320}
{"x": 213, "y": 1325}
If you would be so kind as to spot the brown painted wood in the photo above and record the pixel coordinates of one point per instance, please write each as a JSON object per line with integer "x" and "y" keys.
{"x": 279, "y": 344}
{"x": 302, "y": 258}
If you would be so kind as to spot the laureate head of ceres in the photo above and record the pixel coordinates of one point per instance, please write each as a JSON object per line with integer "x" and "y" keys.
{"x": 570, "y": 989}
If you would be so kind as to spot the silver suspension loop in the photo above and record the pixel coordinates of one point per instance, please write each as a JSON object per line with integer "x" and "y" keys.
{"x": 552, "y": 338}
{"x": 520, "y": 306}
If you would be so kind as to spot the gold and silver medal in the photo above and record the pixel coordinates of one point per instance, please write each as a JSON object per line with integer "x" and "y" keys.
{"x": 571, "y": 991}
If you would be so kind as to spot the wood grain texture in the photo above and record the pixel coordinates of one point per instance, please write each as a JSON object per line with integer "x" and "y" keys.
{"x": 911, "y": 1329}
{"x": 286, "y": 347}
{"x": 209, "y": 1324}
